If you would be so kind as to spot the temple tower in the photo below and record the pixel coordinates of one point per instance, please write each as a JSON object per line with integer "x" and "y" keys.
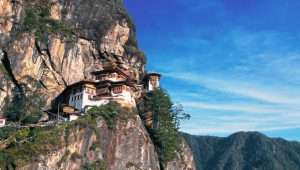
{"x": 152, "y": 81}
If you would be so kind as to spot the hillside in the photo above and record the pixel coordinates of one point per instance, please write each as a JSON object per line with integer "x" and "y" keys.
{"x": 244, "y": 151}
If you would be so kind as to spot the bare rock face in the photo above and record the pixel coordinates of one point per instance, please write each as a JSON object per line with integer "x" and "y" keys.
{"x": 101, "y": 30}
{"x": 127, "y": 147}
{"x": 115, "y": 39}
{"x": 184, "y": 159}
{"x": 6, "y": 12}
{"x": 6, "y": 87}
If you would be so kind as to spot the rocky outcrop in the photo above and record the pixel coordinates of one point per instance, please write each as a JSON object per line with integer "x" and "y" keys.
{"x": 184, "y": 159}
{"x": 128, "y": 146}
{"x": 6, "y": 12}
{"x": 125, "y": 147}
{"x": 100, "y": 31}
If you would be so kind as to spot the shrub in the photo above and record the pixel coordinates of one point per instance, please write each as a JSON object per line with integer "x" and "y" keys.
{"x": 37, "y": 20}
{"x": 5, "y": 132}
{"x": 134, "y": 51}
{"x": 26, "y": 144}
{"x": 25, "y": 108}
{"x": 98, "y": 165}
{"x": 109, "y": 113}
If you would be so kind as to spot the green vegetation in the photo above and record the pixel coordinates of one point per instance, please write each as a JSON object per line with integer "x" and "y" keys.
{"x": 244, "y": 151}
{"x": 2, "y": 68}
{"x": 5, "y": 132}
{"x": 166, "y": 118}
{"x": 134, "y": 51}
{"x": 110, "y": 113}
{"x": 133, "y": 165}
{"x": 63, "y": 158}
{"x": 131, "y": 46}
{"x": 98, "y": 165}
{"x": 25, "y": 107}
{"x": 23, "y": 146}
{"x": 3, "y": 72}
{"x": 37, "y": 20}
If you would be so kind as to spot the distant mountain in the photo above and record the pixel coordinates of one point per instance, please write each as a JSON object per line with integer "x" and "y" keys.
{"x": 244, "y": 151}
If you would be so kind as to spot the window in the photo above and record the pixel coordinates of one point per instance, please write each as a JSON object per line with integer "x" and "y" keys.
{"x": 117, "y": 90}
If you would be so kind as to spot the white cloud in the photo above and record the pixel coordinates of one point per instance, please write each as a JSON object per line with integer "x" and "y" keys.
{"x": 229, "y": 129}
{"x": 249, "y": 108}
{"x": 239, "y": 87}
{"x": 259, "y": 84}
{"x": 264, "y": 108}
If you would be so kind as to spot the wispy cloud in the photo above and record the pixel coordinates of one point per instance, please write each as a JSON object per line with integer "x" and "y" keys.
{"x": 277, "y": 109}
{"x": 239, "y": 87}
{"x": 257, "y": 92}
{"x": 248, "y": 108}
{"x": 223, "y": 130}
{"x": 234, "y": 66}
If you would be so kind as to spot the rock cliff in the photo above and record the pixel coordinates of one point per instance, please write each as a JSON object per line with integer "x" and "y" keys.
{"x": 88, "y": 143}
{"x": 84, "y": 34}
{"x": 127, "y": 146}
{"x": 58, "y": 42}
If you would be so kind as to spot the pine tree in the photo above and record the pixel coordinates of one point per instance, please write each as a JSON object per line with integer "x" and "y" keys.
{"x": 166, "y": 121}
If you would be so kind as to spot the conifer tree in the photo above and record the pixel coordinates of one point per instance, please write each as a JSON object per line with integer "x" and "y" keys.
{"x": 166, "y": 121}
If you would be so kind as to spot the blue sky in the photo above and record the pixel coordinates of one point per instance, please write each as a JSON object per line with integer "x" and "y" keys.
{"x": 233, "y": 64}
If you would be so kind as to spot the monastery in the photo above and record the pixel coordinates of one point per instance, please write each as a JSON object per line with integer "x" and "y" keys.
{"x": 109, "y": 84}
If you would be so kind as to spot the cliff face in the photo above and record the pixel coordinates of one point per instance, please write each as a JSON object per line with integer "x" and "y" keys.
{"x": 88, "y": 144}
{"x": 98, "y": 31}
{"x": 127, "y": 146}
{"x": 58, "y": 42}
{"x": 183, "y": 160}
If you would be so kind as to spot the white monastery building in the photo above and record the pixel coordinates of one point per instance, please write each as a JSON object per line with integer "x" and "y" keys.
{"x": 110, "y": 84}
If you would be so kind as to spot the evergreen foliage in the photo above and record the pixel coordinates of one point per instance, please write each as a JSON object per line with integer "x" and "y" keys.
{"x": 5, "y": 132}
{"x": 166, "y": 118}
{"x": 111, "y": 112}
{"x": 108, "y": 112}
{"x": 25, "y": 107}
{"x": 26, "y": 144}
{"x": 97, "y": 165}
{"x": 244, "y": 151}
{"x": 134, "y": 51}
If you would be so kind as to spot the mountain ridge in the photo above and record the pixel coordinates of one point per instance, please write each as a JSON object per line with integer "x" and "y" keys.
{"x": 244, "y": 151}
